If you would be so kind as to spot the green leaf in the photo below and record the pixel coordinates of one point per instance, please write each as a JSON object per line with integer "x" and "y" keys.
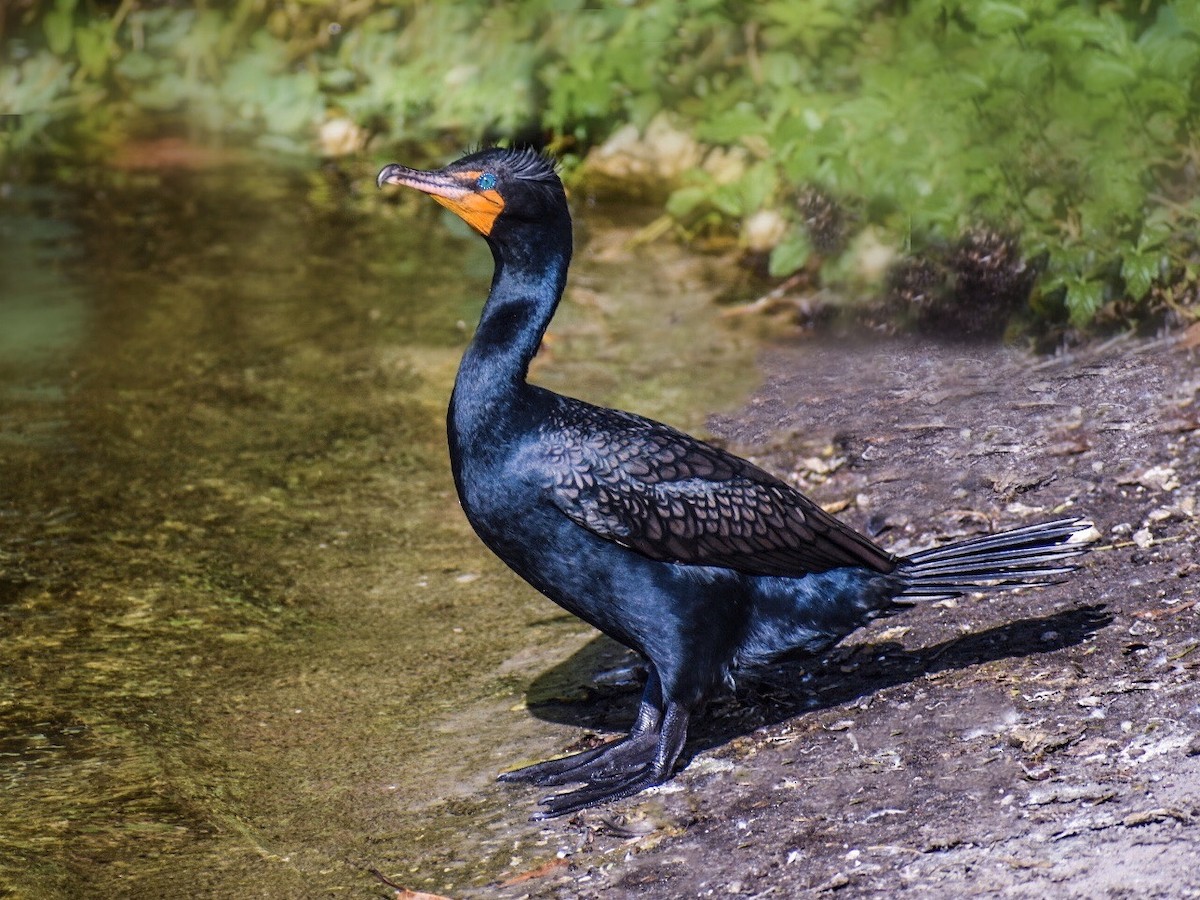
{"x": 782, "y": 69}
{"x": 684, "y": 201}
{"x": 1084, "y": 299}
{"x": 730, "y": 126}
{"x": 137, "y": 65}
{"x": 1139, "y": 271}
{"x": 1105, "y": 74}
{"x": 790, "y": 254}
{"x": 1041, "y": 202}
{"x": 91, "y": 43}
{"x": 994, "y": 17}
{"x": 162, "y": 94}
{"x": 1158, "y": 228}
{"x": 1162, "y": 127}
{"x": 58, "y": 26}
{"x": 731, "y": 199}
{"x": 1070, "y": 30}
{"x": 756, "y": 186}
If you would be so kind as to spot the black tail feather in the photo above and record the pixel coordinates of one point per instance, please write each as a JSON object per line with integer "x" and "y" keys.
{"x": 1030, "y": 555}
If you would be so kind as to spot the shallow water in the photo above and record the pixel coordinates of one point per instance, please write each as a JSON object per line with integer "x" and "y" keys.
{"x": 250, "y": 646}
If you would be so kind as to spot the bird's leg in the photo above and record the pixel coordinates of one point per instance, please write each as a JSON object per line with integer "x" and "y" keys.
{"x": 608, "y": 760}
{"x": 650, "y": 769}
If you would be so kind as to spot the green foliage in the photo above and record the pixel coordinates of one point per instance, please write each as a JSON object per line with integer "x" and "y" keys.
{"x": 1066, "y": 124}
{"x": 790, "y": 254}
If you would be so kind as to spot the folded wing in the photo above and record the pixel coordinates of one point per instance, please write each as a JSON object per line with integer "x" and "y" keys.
{"x": 673, "y": 498}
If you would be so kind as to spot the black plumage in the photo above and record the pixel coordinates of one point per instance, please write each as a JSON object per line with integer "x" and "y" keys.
{"x": 698, "y": 560}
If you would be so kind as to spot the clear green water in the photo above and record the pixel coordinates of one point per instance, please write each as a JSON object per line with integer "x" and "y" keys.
{"x": 248, "y": 645}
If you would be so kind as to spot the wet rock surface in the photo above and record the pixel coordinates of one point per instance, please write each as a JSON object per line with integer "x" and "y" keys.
{"x": 1025, "y": 744}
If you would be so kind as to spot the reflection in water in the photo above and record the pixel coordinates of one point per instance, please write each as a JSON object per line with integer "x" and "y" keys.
{"x": 42, "y": 318}
{"x": 250, "y": 645}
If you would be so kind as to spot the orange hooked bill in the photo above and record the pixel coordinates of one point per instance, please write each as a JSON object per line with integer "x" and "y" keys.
{"x": 456, "y": 192}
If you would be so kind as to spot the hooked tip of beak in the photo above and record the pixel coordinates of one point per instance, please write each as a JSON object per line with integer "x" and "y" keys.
{"x": 438, "y": 183}
{"x": 479, "y": 210}
{"x": 389, "y": 174}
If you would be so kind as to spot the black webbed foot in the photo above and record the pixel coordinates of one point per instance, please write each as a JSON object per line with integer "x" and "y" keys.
{"x": 600, "y": 791}
{"x": 548, "y": 772}
{"x": 614, "y": 760}
{"x": 621, "y": 769}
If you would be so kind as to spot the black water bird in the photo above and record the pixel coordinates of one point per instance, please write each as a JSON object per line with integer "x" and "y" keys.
{"x": 698, "y": 560}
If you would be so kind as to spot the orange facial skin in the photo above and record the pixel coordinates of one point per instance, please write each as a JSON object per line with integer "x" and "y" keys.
{"x": 456, "y": 192}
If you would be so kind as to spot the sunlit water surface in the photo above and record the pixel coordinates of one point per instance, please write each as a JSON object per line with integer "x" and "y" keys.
{"x": 248, "y": 644}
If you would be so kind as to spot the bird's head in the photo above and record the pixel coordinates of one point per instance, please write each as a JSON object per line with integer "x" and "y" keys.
{"x": 490, "y": 189}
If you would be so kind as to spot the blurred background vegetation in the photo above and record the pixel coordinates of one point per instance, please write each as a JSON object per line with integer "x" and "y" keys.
{"x": 1036, "y": 157}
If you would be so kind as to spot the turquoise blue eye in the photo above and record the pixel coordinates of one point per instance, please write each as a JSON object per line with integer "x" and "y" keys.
{"x": 486, "y": 181}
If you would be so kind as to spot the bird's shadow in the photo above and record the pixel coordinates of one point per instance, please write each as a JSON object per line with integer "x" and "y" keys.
{"x": 569, "y": 693}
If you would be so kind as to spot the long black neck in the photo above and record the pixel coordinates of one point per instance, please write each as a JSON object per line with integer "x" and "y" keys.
{"x": 531, "y": 270}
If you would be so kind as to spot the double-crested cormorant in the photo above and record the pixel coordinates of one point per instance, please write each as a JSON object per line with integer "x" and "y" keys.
{"x": 696, "y": 559}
